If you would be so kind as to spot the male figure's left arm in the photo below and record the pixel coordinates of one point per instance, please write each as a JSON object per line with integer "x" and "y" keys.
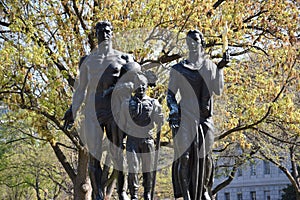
{"x": 218, "y": 82}
{"x": 219, "y": 79}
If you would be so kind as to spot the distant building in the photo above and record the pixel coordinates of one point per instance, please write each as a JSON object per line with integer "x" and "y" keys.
{"x": 259, "y": 181}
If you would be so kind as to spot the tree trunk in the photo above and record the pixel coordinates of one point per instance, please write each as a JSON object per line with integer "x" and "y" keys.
{"x": 295, "y": 172}
{"x": 297, "y": 196}
{"x": 82, "y": 183}
{"x": 37, "y": 185}
{"x": 226, "y": 182}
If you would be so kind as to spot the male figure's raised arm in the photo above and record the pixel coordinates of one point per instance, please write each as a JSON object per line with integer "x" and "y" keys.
{"x": 219, "y": 79}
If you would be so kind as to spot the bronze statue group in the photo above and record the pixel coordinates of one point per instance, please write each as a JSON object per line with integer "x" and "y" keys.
{"x": 110, "y": 98}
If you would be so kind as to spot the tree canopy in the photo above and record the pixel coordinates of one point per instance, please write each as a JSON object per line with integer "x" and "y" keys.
{"x": 42, "y": 42}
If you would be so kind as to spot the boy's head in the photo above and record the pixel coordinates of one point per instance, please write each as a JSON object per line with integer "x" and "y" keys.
{"x": 140, "y": 85}
{"x": 129, "y": 70}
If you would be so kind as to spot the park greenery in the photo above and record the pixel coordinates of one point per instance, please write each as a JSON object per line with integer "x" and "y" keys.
{"x": 41, "y": 42}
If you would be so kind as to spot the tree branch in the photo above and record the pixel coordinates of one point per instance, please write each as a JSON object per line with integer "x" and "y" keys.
{"x": 71, "y": 135}
{"x": 63, "y": 160}
{"x": 68, "y": 147}
{"x": 223, "y": 149}
{"x": 295, "y": 172}
{"x": 226, "y": 182}
{"x": 79, "y": 16}
{"x": 261, "y": 29}
{"x": 50, "y": 176}
{"x": 218, "y": 3}
{"x": 83, "y": 25}
{"x": 5, "y": 24}
{"x": 16, "y": 140}
{"x": 239, "y": 161}
{"x": 148, "y": 64}
{"x": 285, "y": 171}
{"x": 59, "y": 65}
{"x": 244, "y": 127}
{"x": 253, "y": 16}
{"x": 41, "y": 42}
{"x": 273, "y": 137}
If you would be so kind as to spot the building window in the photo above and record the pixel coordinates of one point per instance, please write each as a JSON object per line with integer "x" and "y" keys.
{"x": 267, "y": 195}
{"x": 267, "y": 167}
{"x": 239, "y": 172}
{"x": 253, "y": 195}
{"x": 252, "y": 169}
{"x": 227, "y": 196}
{"x": 239, "y": 196}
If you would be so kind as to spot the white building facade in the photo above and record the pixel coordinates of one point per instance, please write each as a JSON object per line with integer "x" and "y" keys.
{"x": 259, "y": 181}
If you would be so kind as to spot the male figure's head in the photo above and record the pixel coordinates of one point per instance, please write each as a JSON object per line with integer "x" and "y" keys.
{"x": 104, "y": 32}
{"x": 195, "y": 41}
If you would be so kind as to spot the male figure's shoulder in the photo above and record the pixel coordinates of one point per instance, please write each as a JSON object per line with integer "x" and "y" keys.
{"x": 178, "y": 66}
{"x": 82, "y": 59}
{"x": 125, "y": 56}
{"x": 210, "y": 69}
{"x": 209, "y": 64}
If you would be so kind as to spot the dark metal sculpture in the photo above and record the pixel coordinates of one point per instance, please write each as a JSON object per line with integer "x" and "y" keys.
{"x": 143, "y": 113}
{"x": 196, "y": 79}
{"x": 99, "y": 74}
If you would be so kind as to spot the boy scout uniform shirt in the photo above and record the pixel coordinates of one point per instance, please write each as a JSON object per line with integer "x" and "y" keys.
{"x": 140, "y": 124}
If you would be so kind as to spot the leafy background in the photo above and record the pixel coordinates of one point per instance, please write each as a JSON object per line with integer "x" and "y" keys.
{"x": 42, "y": 42}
